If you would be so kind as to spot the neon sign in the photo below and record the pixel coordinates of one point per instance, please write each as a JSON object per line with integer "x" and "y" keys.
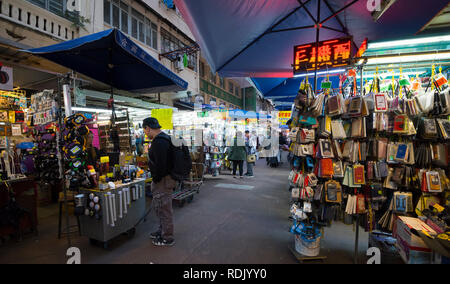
{"x": 362, "y": 49}
{"x": 331, "y": 53}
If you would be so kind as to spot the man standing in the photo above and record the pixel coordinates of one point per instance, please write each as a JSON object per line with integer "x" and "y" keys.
{"x": 160, "y": 164}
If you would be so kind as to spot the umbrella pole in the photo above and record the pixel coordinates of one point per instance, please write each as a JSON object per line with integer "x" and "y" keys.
{"x": 317, "y": 45}
{"x": 68, "y": 110}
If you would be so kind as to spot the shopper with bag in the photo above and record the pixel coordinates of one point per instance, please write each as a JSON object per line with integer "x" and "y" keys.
{"x": 160, "y": 165}
{"x": 250, "y": 148}
{"x": 238, "y": 154}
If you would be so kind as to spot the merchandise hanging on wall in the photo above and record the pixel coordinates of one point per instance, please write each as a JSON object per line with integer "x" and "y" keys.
{"x": 375, "y": 155}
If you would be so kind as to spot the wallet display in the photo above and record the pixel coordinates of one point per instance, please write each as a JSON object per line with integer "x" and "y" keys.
{"x": 377, "y": 151}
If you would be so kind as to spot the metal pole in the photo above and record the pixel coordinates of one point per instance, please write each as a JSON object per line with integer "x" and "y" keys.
{"x": 362, "y": 81}
{"x": 67, "y": 100}
{"x": 67, "y": 106}
{"x": 317, "y": 44}
{"x": 129, "y": 132}
{"x": 356, "y": 239}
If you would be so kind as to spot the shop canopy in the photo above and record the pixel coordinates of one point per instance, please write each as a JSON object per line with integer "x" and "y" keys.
{"x": 256, "y": 38}
{"x": 112, "y": 58}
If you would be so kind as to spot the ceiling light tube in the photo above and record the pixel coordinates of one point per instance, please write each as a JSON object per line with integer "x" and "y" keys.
{"x": 92, "y": 110}
{"x": 408, "y": 58}
{"x": 415, "y": 41}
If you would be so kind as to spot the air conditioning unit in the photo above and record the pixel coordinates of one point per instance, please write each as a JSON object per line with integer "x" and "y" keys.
{"x": 179, "y": 65}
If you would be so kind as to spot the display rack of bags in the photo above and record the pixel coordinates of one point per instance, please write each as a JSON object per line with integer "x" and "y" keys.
{"x": 374, "y": 155}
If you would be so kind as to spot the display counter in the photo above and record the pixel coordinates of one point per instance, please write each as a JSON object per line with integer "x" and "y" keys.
{"x": 119, "y": 210}
{"x": 25, "y": 194}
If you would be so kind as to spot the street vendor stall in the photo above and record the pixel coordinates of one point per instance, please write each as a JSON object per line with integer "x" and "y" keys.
{"x": 111, "y": 58}
{"x": 111, "y": 212}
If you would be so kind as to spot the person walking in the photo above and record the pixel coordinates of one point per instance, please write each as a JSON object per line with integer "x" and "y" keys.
{"x": 250, "y": 148}
{"x": 160, "y": 165}
{"x": 238, "y": 155}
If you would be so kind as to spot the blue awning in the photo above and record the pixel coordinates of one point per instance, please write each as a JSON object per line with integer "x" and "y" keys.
{"x": 112, "y": 58}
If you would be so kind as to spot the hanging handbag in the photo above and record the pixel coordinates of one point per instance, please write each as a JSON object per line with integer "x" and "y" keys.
{"x": 251, "y": 158}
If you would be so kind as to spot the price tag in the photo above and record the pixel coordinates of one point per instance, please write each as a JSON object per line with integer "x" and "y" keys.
{"x": 104, "y": 159}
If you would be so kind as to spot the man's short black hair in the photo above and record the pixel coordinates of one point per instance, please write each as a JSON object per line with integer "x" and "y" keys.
{"x": 247, "y": 131}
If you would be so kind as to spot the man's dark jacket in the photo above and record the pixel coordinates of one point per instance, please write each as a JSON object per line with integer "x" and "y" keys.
{"x": 160, "y": 162}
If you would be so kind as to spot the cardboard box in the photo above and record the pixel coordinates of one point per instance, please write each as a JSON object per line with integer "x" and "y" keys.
{"x": 412, "y": 248}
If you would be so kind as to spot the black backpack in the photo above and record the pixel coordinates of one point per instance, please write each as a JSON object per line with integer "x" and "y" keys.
{"x": 181, "y": 161}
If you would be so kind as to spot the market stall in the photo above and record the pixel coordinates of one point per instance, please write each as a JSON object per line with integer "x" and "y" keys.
{"x": 377, "y": 152}
{"x": 112, "y": 176}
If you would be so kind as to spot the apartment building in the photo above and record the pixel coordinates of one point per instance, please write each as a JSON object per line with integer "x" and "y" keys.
{"x": 218, "y": 91}
{"x": 153, "y": 24}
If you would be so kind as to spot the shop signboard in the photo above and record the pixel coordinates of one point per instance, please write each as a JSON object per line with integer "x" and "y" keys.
{"x": 164, "y": 117}
{"x": 6, "y": 78}
{"x": 283, "y": 117}
{"x": 331, "y": 53}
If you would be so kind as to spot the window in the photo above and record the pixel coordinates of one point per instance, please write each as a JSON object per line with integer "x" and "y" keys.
{"x": 222, "y": 83}
{"x": 171, "y": 43}
{"x": 137, "y": 25}
{"x": 202, "y": 69}
{"x": 192, "y": 61}
{"x": 128, "y": 20}
{"x": 107, "y": 11}
{"x": 212, "y": 77}
{"x": 115, "y": 16}
{"x": 230, "y": 87}
{"x": 124, "y": 18}
{"x": 115, "y": 13}
{"x": 152, "y": 33}
{"x": 236, "y": 91}
{"x": 55, "y": 6}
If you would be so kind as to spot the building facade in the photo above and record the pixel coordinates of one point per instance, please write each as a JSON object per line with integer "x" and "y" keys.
{"x": 154, "y": 26}
{"x": 218, "y": 91}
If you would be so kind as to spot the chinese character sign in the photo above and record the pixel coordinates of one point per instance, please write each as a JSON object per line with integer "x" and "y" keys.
{"x": 283, "y": 117}
{"x": 328, "y": 54}
{"x": 362, "y": 49}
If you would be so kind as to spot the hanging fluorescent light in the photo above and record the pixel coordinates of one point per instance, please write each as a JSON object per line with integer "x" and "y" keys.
{"x": 416, "y": 41}
{"x": 91, "y": 110}
{"x": 321, "y": 73}
{"x": 408, "y": 58}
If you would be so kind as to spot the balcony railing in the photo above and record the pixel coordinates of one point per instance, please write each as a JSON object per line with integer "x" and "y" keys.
{"x": 23, "y": 13}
